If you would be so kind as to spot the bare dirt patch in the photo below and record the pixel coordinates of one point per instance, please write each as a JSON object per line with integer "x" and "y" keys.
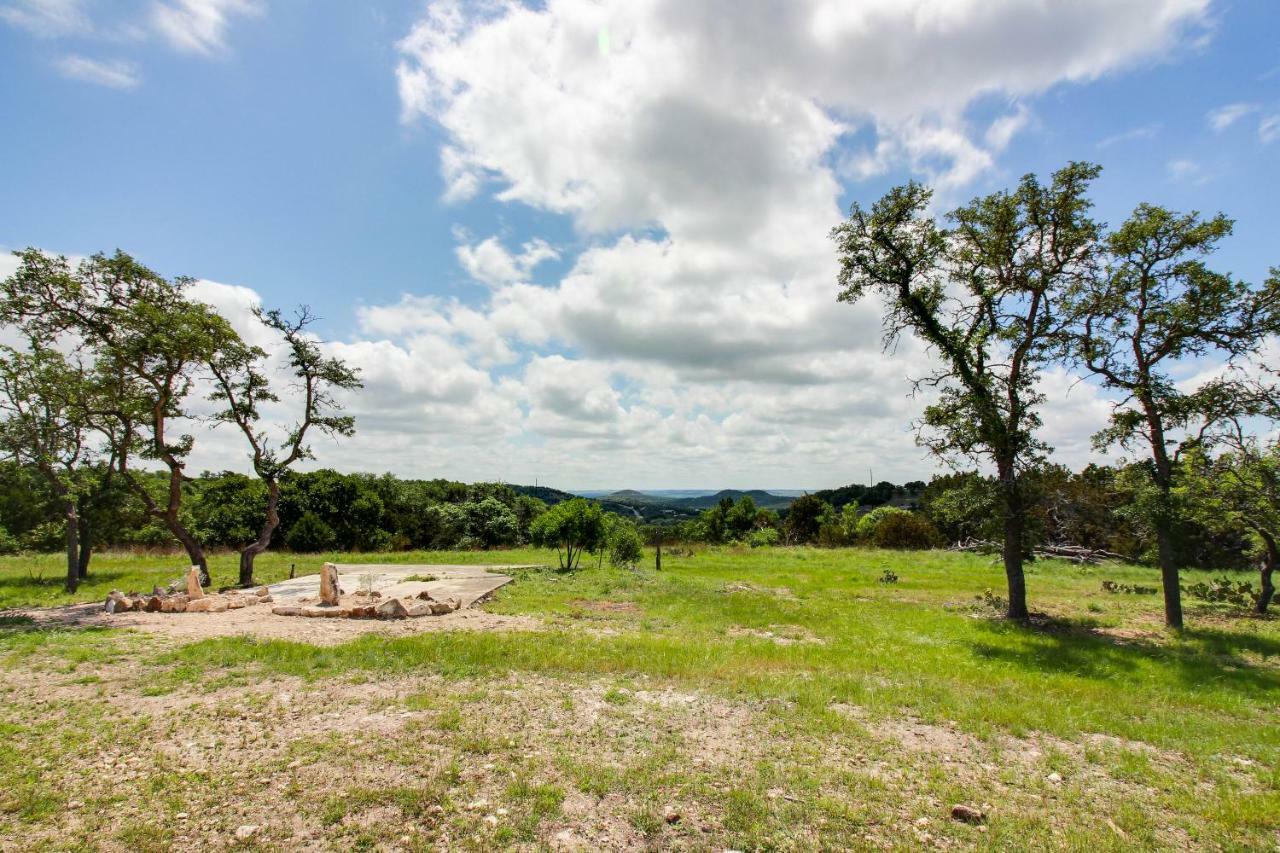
{"x": 261, "y": 622}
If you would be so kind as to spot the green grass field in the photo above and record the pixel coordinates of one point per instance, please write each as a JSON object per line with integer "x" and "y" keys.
{"x": 768, "y": 699}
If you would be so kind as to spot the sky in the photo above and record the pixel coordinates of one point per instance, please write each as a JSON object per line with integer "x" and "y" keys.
{"x": 584, "y": 242}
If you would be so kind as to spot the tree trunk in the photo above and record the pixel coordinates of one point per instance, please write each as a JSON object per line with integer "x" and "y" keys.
{"x": 195, "y": 551}
{"x": 73, "y": 546}
{"x": 253, "y": 549}
{"x": 1167, "y": 556}
{"x": 1269, "y": 559}
{"x": 86, "y": 547}
{"x": 1014, "y": 523}
{"x": 657, "y": 557}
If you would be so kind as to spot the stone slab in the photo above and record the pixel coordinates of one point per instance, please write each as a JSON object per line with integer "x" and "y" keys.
{"x": 468, "y": 584}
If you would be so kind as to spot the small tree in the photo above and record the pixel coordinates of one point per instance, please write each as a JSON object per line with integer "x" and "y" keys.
{"x": 44, "y": 426}
{"x": 984, "y": 296}
{"x": 805, "y": 518}
{"x": 570, "y": 527}
{"x": 1156, "y": 304}
{"x": 625, "y": 545}
{"x": 243, "y": 387}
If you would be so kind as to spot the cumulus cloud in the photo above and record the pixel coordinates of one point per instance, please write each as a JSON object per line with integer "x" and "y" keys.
{"x": 490, "y": 263}
{"x": 700, "y": 150}
{"x": 114, "y": 74}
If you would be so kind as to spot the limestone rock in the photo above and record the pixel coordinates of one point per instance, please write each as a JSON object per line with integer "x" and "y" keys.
{"x": 262, "y": 592}
{"x": 265, "y": 599}
{"x": 392, "y": 608}
{"x": 193, "y": 583}
{"x": 235, "y": 602}
{"x": 329, "y": 590}
{"x": 286, "y": 610}
{"x": 424, "y": 595}
{"x": 116, "y": 602}
{"x": 416, "y": 610}
{"x": 217, "y": 604}
{"x": 198, "y": 605}
{"x": 154, "y": 603}
{"x": 364, "y": 611}
{"x": 244, "y": 833}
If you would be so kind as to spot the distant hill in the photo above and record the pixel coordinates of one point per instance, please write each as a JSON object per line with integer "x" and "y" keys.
{"x": 763, "y": 499}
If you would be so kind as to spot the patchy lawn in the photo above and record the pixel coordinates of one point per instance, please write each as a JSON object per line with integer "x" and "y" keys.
{"x": 778, "y": 698}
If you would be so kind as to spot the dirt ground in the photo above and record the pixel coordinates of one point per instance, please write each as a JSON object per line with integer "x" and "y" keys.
{"x": 259, "y": 621}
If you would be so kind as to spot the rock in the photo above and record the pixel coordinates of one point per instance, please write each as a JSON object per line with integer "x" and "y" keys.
{"x": 439, "y": 608}
{"x": 262, "y": 592}
{"x": 244, "y": 833}
{"x": 477, "y": 805}
{"x": 265, "y": 599}
{"x": 392, "y": 608}
{"x": 424, "y": 595}
{"x": 967, "y": 814}
{"x": 672, "y": 817}
{"x": 116, "y": 602}
{"x": 1054, "y": 778}
{"x": 154, "y": 604}
{"x": 235, "y": 602}
{"x": 329, "y": 590}
{"x": 286, "y": 610}
{"x": 416, "y": 610}
{"x": 363, "y": 611}
{"x": 319, "y": 610}
{"x": 157, "y": 590}
{"x": 199, "y": 605}
{"x": 182, "y": 815}
{"x": 217, "y": 604}
{"x": 194, "y": 590}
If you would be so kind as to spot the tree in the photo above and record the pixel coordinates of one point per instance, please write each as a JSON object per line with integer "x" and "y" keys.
{"x": 310, "y": 535}
{"x": 570, "y": 527}
{"x": 242, "y": 387}
{"x": 625, "y": 545}
{"x": 44, "y": 426}
{"x": 805, "y": 518}
{"x": 490, "y": 522}
{"x": 1155, "y": 304}
{"x": 984, "y": 296}
{"x": 741, "y": 519}
{"x": 145, "y": 343}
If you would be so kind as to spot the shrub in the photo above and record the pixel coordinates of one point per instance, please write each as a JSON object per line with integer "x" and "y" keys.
{"x": 310, "y": 535}
{"x": 867, "y": 524}
{"x": 905, "y": 530}
{"x": 625, "y": 546}
{"x": 8, "y": 544}
{"x": 45, "y": 538}
{"x": 763, "y": 538}
{"x": 1225, "y": 591}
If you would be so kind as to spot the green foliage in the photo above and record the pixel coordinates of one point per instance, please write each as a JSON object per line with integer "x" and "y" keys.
{"x": 764, "y": 537}
{"x": 1224, "y": 590}
{"x": 228, "y": 509}
{"x": 571, "y": 527}
{"x": 867, "y": 524}
{"x": 805, "y": 518}
{"x": 490, "y": 522}
{"x": 626, "y": 548}
{"x": 8, "y": 542}
{"x": 311, "y": 535}
{"x": 906, "y": 531}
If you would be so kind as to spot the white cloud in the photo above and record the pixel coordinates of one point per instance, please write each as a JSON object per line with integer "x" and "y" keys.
{"x": 114, "y": 74}
{"x": 1269, "y": 128}
{"x": 47, "y": 18}
{"x": 490, "y": 263}
{"x": 1147, "y": 131}
{"x": 1223, "y": 117}
{"x": 705, "y": 341}
{"x": 1183, "y": 170}
{"x": 199, "y": 26}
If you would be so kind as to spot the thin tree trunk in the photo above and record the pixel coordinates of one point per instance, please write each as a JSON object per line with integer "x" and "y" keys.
{"x": 657, "y": 557}
{"x": 1265, "y": 574}
{"x": 86, "y": 546}
{"x": 1014, "y": 522}
{"x": 260, "y": 544}
{"x": 1167, "y": 557}
{"x": 73, "y": 546}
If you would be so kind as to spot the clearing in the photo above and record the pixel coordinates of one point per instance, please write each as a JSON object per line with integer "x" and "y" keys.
{"x": 777, "y": 698}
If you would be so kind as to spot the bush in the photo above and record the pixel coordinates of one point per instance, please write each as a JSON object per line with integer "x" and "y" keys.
{"x": 763, "y": 538}
{"x": 625, "y": 545}
{"x": 867, "y": 524}
{"x": 45, "y": 538}
{"x": 905, "y": 530}
{"x": 8, "y": 544}
{"x": 310, "y": 535}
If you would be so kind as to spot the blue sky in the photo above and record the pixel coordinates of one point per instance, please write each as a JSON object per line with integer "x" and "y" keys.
{"x": 391, "y": 167}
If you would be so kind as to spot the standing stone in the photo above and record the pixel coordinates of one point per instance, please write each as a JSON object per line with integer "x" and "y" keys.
{"x": 329, "y": 591}
{"x": 193, "y": 583}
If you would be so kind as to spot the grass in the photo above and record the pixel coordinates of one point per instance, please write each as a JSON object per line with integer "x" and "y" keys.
{"x": 766, "y": 698}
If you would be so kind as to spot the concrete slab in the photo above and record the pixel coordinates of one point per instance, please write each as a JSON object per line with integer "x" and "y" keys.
{"x": 468, "y": 584}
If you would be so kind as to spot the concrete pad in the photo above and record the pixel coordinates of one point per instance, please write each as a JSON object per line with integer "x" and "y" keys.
{"x": 468, "y": 584}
